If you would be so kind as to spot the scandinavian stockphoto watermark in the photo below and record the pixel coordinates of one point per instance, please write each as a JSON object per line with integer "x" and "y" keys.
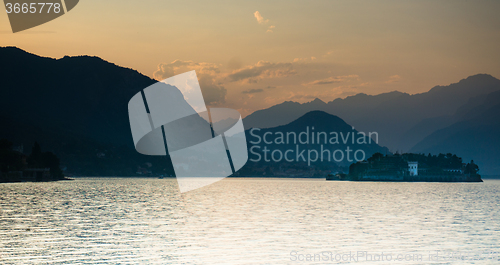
{"x": 170, "y": 118}
{"x": 26, "y": 14}
{"x": 309, "y": 145}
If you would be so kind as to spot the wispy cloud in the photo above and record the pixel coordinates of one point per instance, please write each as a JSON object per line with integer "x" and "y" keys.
{"x": 263, "y": 21}
{"x": 261, "y": 70}
{"x": 332, "y": 80}
{"x": 327, "y": 54}
{"x": 253, "y": 91}
{"x": 304, "y": 60}
{"x": 265, "y": 83}
{"x": 208, "y": 74}
{"x": 393, "y": 79}
{"x": 259, "y": 18}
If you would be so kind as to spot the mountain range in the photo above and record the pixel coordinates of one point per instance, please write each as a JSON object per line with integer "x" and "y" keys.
{"x": 422, "y": 122}
{"x": 401, "y": 119}
{"x": 78, "y": 107}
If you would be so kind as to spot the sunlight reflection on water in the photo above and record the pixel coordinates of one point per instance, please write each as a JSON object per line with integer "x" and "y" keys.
{"x": 242, "y": 221}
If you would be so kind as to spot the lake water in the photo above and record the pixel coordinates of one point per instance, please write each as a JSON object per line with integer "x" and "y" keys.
{"x": 249, "y": 221}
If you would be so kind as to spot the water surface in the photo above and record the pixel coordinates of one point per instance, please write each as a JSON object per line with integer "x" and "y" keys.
{"x": 247, "y": 221}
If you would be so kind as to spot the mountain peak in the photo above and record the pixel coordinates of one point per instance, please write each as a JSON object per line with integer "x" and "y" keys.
{"x": 473, "y": 82}
{"x": 87, "y": 60}
{"x": 11, "y": 48}
{"x": 15, "y": 53}
{"x": 318, "y": 117}
{"x": 317, "y": 101}
{"x": 478, "y": 79}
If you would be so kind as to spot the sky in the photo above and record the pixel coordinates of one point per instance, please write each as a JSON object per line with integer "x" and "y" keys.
{"x": 251, "y": 55}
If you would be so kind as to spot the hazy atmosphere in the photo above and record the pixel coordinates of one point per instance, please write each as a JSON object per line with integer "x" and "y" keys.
{"x": 250, "y": 132}
{"x": 252, "y": 55}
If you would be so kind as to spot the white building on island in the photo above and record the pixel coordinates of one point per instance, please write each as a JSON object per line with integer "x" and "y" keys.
{"x": 413, "y": 168}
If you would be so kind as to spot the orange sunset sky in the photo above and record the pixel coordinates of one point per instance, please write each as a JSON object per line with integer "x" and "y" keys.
{"x": 254, "y": 54}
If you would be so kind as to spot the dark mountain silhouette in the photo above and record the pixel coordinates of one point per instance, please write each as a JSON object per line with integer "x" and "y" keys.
{"x": 314, "y": 121}
{"x": 76, "y": 107}
{"x": 83, "y": 95}
{"x": 474, "y": 134}
{"x": 401, "y": 120}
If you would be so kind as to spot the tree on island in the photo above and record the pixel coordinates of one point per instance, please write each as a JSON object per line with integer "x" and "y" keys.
{"x": 471, "y": 168}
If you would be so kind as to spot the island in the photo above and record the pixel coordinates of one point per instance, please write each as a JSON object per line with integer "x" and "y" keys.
{"x": 411, "y": 168}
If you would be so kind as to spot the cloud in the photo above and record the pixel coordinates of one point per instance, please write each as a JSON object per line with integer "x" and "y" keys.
{"x": 213, "y": 92}
{"x": 263, "y": 21}
{"x": 166, "y": 70}
{"x": 261, "y": 70}
{"x": 305, "y": 60}
{"x": 257, "y": 90}
{"x": 253, "y": 91}
{"x": 393, "y": 79}
{"x": 209, "y": 77}
{"x": 332, "y": 80}
{"x": 327, "y": 54}
{"x": 259, "y": 18}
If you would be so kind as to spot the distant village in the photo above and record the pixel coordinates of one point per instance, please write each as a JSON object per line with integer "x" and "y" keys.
{"x": 39, "y": 166}
{"x": 283, "y": 170}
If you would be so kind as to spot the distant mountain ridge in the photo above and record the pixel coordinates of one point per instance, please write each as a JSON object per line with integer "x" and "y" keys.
{"x": 396, "y": 116}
